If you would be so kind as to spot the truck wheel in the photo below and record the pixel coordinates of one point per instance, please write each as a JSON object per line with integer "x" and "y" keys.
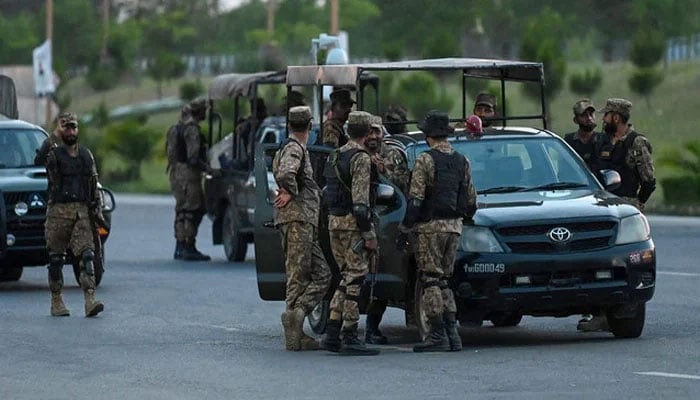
{"x": 99, "y": 269}
{"x": 628, "y": 327}
{"x": 235, "y": 246}
{"x": 10, "y": 274}
{"x": 319, "y": 316}
{"x": 421, "y": 319}
{"x": 506, "y": 319}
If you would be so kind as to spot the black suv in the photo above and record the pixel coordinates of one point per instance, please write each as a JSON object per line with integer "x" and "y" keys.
{"x": 548, "y": 239}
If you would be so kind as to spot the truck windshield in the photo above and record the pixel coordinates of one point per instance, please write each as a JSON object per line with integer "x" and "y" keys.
{"x": 18, "y": 147}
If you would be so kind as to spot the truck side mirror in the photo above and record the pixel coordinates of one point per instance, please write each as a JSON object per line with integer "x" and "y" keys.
{"x": 611, "y": 180}
{"x": 385, "y": 194}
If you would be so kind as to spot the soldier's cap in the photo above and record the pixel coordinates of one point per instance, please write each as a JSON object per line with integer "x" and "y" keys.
{"x": 342, "y": 96}
{"x": 198, "y": 104}
{"x": 436, "y": 124}
{"x": 582, "y": 106}
{"x": 295, "y": 98}
{"x": 376, "y": 122}
{"x": 360, "y": 118}
{"x": 300, "y": 114}
{"x": 67, "y": 119}
{"x": 617, "y": 105}
{"x": 486, "y": 99}
{"x": 395, "y": 114}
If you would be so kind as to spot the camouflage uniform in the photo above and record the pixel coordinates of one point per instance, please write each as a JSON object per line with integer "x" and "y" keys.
{"x": 186, "y": 164}
{"x": 51, "y": 142}
{"x": 437, "y": 240}
{"x": 333, "y": 133}
{"x": 73, "y": 202}
{"x": 308, "y": 274}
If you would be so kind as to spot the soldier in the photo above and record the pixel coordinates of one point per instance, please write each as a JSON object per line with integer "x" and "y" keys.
{"x": 441, "y": 195}
{"x": 485, "y": 108}
{"x": 349, "y": 197}
{"x": 73, "y": 215}
{"x": 296, "y": 216}
{"x": 186, "y": 149}
{"x": 392, "y": 164}
{"x": 629, "y": 153}
{"x": 395, "y": 120}
{"x": 247, "y": 128}
{"x": 333, "y": 132}
{"x": 585, "y": 140}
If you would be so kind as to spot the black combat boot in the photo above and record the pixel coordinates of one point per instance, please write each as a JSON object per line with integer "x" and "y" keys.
{"x": 372, "y": 333}
{"x": 452, "y": 332}
{"x": 190, "y": 253}
{"x": 353, "y": 346}
{"x": 331, "y": 341}
{"x": 437, "y": 340}
{"x": 179, "y": 248}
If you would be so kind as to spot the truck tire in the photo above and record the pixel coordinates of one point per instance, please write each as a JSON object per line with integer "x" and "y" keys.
{"x": 628, "y": 327}
{"x": 11, "y": 274}
{"x": 235, "y": 245}
{"x": 319, "y": 316}
{"x": 503, "y": 320}
{"x": 421, "y": 319}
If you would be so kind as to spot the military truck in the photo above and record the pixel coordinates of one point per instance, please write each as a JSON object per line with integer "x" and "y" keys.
{"x": 548, "y": 238}
{"x": 24, "y": 195}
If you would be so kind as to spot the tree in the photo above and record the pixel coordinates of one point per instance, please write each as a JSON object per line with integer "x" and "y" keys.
{"x": 19, "y": 36}
{"x": 648, "y": 47}
{"x": 586, "y": 83}
{"x": 431, "y": 95}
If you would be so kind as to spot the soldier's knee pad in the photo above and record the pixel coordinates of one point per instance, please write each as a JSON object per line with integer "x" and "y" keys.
{"x": 88, "y": 257}
{"x": 56, "y": 261}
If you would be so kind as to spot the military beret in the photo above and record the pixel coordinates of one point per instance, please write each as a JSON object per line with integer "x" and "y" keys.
{"x": 582, "y": 105}
{"x": 300, "y": 114}
{"x": 617, "y": 105}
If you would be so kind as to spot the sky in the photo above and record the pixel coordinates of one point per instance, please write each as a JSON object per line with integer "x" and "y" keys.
{"x": 229, "y": 4}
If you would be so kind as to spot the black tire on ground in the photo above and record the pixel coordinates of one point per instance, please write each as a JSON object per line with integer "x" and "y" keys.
{"x": 10, "y": 274}
{"x": 99, "y": 269}
{"x": 421, "y": 319}
{"x": 628, "y": 327}
{"x": 506, "y": 319}
{"x": 235, "y": 245}
{"x": 318, "y": 318}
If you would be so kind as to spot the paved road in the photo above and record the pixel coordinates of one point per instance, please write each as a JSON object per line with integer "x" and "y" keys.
{"x": 174, "y": 330}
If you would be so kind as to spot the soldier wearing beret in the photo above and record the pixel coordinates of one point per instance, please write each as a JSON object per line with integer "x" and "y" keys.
{"x": 349, "y": 196}
{"x": 585, "y": 140}
{"x": 629, "y": 153}
{"x": 333, "y": 132}
{"x": 296, "y": 216}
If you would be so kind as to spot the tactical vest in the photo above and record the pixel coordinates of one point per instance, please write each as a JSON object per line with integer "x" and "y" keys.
{"x": 300, "y": 176}
{"x": 73, "y": 174}
{"x": 337, "y": 195}
{"x": 177, "y": 152}
{"x": 630, "y": 179}
{"x": 587, "y": 151}
{"x": 447, "y": 197}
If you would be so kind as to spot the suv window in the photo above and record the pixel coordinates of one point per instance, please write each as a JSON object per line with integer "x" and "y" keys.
{"x": 18, "y": 147}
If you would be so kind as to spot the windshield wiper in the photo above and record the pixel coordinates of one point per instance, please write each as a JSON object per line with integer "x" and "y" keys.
{"x": 502, "y": 189}
{"x": 557, "y": 185}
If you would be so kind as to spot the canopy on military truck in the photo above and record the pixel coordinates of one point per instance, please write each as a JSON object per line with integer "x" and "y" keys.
{"x": 232, "y": 85}
{"x": 8, "y": 98}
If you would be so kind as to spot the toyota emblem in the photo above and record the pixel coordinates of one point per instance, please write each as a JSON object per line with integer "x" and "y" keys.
{"x": 559, "y": 234}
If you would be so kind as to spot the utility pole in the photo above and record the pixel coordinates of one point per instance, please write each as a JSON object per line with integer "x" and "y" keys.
{"x": 49, "y": 37}
{"x": 271, "y": 18}
{"x": 105, "y": 31}
{"x": 334, "y": 17}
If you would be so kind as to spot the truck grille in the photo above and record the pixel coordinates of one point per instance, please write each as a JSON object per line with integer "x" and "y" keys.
{"x": 29, "y": 228}
{"x": 532, "y": 239}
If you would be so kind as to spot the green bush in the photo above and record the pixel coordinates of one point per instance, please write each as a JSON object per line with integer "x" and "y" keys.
{"x": 586, "y": 83}
{"x": 132, "y": 142}
{"x": 190, "y": 90}
{"x": 421, "y": 93}
{"x": 681, "y": 190}
{"x": 644, "y": 80}
{"x": 648, "y": 47}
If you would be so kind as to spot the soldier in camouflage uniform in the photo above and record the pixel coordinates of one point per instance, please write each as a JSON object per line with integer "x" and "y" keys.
{"x": 392, "y": 164}
{"x": 441, "y": 195}
{"x": 348, "y": 195}
{"x": 585, "y": 140}
{"x": 296, "y": 216}
{"x": 333, "y": 132}
{"x": 485, "y": 108}
{"x": 629, "y": 153}
{"x": 186, "y": 150}
{"x": 73, "y": 215}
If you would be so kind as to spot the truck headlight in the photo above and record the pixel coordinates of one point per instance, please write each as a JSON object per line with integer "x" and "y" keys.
{"x": 633, "y": 229}
{"x": 479, "y": 239}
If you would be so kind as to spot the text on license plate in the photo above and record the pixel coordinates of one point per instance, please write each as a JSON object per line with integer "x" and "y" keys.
{"x": 485, "y": 268}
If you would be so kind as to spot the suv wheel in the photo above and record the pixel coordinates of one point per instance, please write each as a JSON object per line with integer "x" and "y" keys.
{"x": 99, "y": 268}
{"x": 10, "y": 274}
{"x": 421, "y": 319}
{"x": 506, "y": 319}
{"x": 235, "y": 246}
{"x": 627, "y": 327}
{"x": 319, "y": 316}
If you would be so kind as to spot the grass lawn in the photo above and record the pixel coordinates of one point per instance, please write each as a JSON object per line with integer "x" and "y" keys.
{"x": 668, "y": 120}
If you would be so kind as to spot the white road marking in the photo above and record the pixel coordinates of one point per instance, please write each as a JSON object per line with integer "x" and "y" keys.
{"x": 676, "y": 273}
{"x": 669, "y": 375}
